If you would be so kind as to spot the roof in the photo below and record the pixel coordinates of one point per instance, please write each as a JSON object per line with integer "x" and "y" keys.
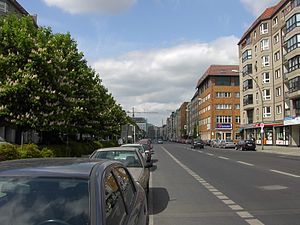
{"x": 18, "y": 6}
{"x": 267, "y": 14}
{"x": 50, "y": 167}
{"x": 219, "y": 70}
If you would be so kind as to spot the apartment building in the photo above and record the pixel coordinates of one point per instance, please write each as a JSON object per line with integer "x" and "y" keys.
{"x": 219, "y": 103}
{"x": 269, "y": 62}
{"x": 11, "y": 6}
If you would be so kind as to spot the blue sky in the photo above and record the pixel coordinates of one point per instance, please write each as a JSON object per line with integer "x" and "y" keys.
{"x": 150, "y": 53}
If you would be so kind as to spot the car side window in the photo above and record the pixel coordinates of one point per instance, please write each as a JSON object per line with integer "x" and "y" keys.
{"x": 126, "y": 185}
{"x": 115, "y": 212}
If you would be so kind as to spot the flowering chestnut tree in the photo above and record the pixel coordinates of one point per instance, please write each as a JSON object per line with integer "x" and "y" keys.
{"x": 46, "y": 84}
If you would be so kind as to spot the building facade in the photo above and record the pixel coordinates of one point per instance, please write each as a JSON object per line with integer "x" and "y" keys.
{"x": 269, "y": 57}
{"x": 219, "y": 103}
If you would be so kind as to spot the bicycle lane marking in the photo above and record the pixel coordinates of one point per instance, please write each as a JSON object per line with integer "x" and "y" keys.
{"x": 243, "y": 214}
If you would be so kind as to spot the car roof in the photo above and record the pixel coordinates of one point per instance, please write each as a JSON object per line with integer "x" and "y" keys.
{"x": 128, "y": 145}
{"x": 117, "y": 149}
{"x": 51, "y": 167}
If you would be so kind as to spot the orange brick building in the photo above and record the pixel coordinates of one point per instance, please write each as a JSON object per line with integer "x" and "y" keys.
{"x": 219, "y": 103}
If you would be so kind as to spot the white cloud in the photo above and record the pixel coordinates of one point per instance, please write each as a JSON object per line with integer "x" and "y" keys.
{"x": 160, "y": 80}
{"x": 87, "y": 6}
{"x": 256, "y": 7}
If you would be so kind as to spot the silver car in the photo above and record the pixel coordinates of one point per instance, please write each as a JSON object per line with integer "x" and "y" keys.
{"x": 132, "y": 159}
{"x": 145, "y": 153}
{"x": 227, "y": 144}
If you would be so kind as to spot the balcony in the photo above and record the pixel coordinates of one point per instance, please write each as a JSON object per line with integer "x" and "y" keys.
{"x": 294, "y": 94}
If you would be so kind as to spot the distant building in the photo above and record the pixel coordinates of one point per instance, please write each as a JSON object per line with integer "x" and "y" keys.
{"x": 219, "y": 103}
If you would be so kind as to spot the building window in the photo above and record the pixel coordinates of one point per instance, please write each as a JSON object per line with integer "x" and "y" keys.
{"x": 224, "y": 119}
{"x": 264, "y": 28}
{"x": 237, "y": 106}
{"x": 276, "y": 56}
{"x": 254, "y": 34}
{"x": 247, "y": 100}
{"x": 267, "y": 94}
{"x": 222, "y": 81}
{"x": 293, "y": 43}
{"x": 264, "y": 44}
{"x": 277, "y": 74}
{"x": 276, "y": 38}
{"x": 267, "y": 111}
{"x": 292, "y": 22}
{"x": 247, "y": 84}
{"x": 237, "y": 119}
{"x": 266, "y": 77}
{"x": 3, "y": 7}
{"x": 293, "y": 63}
{"x": 237, "y": 94}
{"x": 223, "y": 106}
{"x": 294, "y": 84}
{"x": 247, "y": 55}
{"x": 278, "y": 91}
{"x": 247, "y": 69}
{"x": 223, "y": 95}
{"x": 265, "y": 61}
{"x": 275, "y": 21}
{"x": 278, "y": 109}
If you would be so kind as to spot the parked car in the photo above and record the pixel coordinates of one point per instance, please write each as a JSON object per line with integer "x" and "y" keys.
{"x": 246, "y": 145}
{"x": 159, "y": 141}
{"x": 69, "y": 191}
{"x": 145, "y": 153}
{"x": 132, "y": 159}
{"x": 217, "y": 143}
{"x": 227, "y": 144}
{"x": 197, "y": 144}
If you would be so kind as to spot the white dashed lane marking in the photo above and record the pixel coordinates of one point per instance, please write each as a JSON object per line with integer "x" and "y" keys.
{"x": 243, "y": 214}
{"x": 221, "y": 157}
{"x": 245, "y": 163}
{"x": 285, "y": 173}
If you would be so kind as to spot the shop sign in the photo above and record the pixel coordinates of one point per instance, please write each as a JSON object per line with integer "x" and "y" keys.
{"x": 224, "y": 126}
{"x": 292, "y": 120}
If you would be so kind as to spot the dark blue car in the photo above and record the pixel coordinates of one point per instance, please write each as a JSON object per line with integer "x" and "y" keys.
{"x": 65, "y": 191}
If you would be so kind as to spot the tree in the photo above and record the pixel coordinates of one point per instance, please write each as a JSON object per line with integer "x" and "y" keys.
{"x": 46, "y": 84}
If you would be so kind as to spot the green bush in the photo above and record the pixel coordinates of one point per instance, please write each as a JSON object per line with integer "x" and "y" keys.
{"x": 30, "y": 151}
{"x": 47, "y": 153}
{"x": 9, "y": 152}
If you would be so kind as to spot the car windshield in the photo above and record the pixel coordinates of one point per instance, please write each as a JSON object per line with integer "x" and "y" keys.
{"x": 128, "y": 158}
{"x": 31, "y": 201}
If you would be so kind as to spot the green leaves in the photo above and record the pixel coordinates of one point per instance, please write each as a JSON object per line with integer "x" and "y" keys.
{"x": 46, "y": 84}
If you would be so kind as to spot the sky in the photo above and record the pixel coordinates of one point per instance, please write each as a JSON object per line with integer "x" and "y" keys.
{"x": 151, "y": 53}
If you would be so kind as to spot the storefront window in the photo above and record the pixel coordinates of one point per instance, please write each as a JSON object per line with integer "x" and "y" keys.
{"x": 282, "y": 135}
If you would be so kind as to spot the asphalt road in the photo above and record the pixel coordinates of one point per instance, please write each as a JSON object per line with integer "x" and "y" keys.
{"x": 223, "y": 187}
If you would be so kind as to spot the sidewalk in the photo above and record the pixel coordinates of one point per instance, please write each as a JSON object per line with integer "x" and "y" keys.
{"x": 295, "y": 151}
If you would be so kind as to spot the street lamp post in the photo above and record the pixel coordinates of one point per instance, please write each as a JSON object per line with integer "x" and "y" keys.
{"x": 262, "y": 108}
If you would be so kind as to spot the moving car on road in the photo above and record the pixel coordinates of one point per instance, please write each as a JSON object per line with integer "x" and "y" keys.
{"x": 69, "y": 191}
{"x": 197, "y": 144}
{"x": 132, "y": 159}
{"x": 246, "y": 145}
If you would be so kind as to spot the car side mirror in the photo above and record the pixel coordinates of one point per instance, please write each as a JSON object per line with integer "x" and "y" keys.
{"x": 148, "y": 165}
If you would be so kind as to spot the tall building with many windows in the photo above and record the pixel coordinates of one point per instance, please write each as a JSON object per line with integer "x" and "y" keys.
{"x": 219, "y": 103}
{"x": 269, "y": 59}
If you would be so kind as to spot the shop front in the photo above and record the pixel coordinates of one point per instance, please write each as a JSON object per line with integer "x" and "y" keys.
{"x": 224, "y": 131}
{"x": 293, "y": 124}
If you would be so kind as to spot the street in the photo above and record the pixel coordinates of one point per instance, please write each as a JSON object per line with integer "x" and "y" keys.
{"x": 217, "y": 186}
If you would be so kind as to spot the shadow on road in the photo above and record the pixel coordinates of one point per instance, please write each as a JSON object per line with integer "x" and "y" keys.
{"x": 153, "y": 168}
{"x": 160, "y": 200}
